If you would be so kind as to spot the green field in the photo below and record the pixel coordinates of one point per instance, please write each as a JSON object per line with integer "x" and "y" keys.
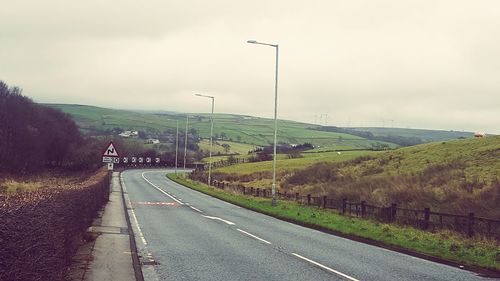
{"x": 285, "y": 165}
{"x": 234, "y": 147}
{"x": 236, "y": 128}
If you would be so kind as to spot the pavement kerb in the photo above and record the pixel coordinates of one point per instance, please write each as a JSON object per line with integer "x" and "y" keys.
{"x": 113, "y": 255}
{"x": 133, "y": 247}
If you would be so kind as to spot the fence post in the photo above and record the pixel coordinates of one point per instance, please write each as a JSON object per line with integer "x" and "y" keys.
{"x": 264, "y": 193}
{"x": 324, "y": 202}
{"x": 394, "y": 207}
{"x": 427, "y": 216}
{"x": 244, "y": 190}
{"x": 308, "y": 199}
{"x": 286, "y": 195}
{"x": 297, "y": 197}
{"x": 258, "y": 192}
{"x": 470, "y": 225}
{"x": 251, "y": 190}
{"x": 363, "y": 208}
{"x": 344, "y": 203}
{"x": 222, "y": 184}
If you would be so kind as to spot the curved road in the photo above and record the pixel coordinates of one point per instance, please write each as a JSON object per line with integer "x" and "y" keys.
{"x": 182, "y": 234}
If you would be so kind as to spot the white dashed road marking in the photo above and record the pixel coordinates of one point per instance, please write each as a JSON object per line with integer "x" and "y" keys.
{"x": 173, "y": 198}
{"x": 219, "y": 219}
{"x": 326, "y": 268}
{"x": 197, "y": 210}
{"x": 253, "y": 236}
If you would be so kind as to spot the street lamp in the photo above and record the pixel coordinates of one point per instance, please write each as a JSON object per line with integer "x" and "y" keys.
{"x": 211, "y": 133}
{"x": 176, "y": 146}
{"x": 186, "y": 141}
{"x": 275, "y": 115}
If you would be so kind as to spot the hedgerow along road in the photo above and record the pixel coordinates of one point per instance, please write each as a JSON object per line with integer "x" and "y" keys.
{"x": 182, "y": 234}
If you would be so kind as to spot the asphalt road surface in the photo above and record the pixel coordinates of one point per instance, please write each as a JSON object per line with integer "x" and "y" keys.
{"x": 186, "y": 235}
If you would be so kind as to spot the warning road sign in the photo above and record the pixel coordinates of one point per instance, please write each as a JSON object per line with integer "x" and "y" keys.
{"x": 110, "y": 155}
{"x": 110, "y": 151}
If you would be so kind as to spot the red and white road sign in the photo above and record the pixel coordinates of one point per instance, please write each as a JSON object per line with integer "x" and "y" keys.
{"x": 110, "y": 155}
{"x": 110, "y": 151}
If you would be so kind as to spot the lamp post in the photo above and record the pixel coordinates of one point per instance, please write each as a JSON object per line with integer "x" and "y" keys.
{"x": 273, "y": 190}
{"x": 211, "y": 133}
{"x": 176, "y": 146}
{"x": 186, "y": 141}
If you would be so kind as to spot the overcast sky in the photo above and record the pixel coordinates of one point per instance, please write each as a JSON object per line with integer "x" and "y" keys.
{"x": 419, "y": 64}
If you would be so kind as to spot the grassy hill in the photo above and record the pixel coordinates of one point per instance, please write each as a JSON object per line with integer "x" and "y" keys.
{"x": 457, "y": 176}
{"x": 238, "y": 128}
{"x": 423, "y": 134}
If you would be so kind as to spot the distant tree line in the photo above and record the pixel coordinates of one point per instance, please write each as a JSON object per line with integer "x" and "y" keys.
{"x": 33, "y": 136}
{"x": 400, "y": 140}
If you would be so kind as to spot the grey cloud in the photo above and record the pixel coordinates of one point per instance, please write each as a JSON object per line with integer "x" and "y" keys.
{"x": 431, "y": 64}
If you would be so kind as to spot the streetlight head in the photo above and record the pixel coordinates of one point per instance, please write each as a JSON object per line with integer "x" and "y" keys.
{"x": 251, "y": 41}
{"x": 205, "y": 96}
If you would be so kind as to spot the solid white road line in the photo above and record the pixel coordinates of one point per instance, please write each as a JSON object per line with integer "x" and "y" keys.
{"x": 325, "y": 267}
{"x": 253, "y": 236}
{"x": 197, "y": 210}
{"x": 141, "y": 235}
{"x": 138, "y": 228}
{"x": 173, "y": 198}
{"x": 219, "y": 219}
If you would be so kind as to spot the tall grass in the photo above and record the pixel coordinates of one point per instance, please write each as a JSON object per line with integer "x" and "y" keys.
{"x": 455, "y": 176}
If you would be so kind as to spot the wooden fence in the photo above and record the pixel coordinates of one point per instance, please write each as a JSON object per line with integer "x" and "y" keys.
{"x": 425, "y": 219}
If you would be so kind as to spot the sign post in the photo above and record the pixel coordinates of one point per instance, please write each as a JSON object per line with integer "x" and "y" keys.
{"x": 110, "y": 156}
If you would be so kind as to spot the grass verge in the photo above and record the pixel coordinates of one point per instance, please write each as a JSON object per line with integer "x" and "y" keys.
{"x": 477, "y": 254}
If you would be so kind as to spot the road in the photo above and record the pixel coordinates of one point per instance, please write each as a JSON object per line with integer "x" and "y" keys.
{"x": 192, "y": 236}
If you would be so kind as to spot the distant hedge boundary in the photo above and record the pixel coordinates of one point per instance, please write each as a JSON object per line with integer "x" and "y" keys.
{"x": 40, "y": 230}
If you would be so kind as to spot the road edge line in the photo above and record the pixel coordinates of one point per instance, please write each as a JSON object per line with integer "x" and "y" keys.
{"x": 133, "y": 247}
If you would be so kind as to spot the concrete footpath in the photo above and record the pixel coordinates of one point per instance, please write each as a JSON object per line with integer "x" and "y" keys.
{"x": 109, "y": 256}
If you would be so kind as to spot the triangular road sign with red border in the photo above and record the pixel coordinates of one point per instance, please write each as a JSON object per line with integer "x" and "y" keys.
{"x": 111, "y": 150}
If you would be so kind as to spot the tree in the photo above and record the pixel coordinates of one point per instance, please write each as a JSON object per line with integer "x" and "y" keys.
{"x": 31, "y": 135}
{"x": 226, "y": 147}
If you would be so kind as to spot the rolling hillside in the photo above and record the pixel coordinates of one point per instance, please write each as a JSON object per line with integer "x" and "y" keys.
{"x": 458, "y": 176}
{"x": 424, "y": 135}
{"x": 238, "y": 128}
